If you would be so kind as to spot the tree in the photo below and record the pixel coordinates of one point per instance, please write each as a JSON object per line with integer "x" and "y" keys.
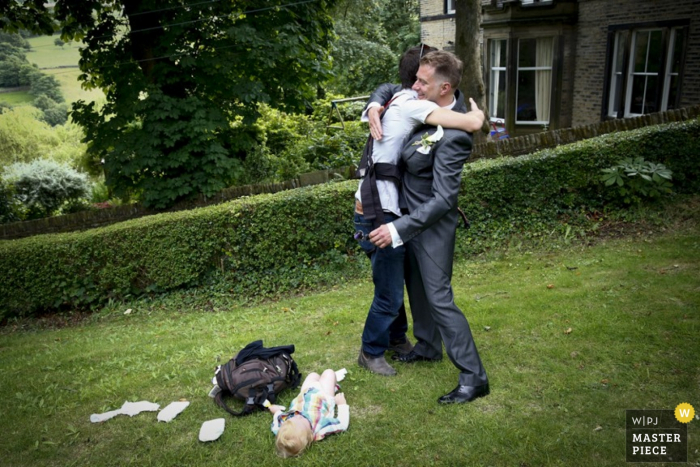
{"x": 177, "y": 74}
{"x": 468, "y": 26}
{"x": 372, "y": 35}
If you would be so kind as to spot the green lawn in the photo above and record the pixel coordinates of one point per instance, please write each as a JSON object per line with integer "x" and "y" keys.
{"x": 570, "y": 336}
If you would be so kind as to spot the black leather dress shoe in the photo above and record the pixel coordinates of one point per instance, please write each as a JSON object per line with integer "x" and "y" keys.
{"x": 412, "y": 357}
{"x": 462, "y": 394}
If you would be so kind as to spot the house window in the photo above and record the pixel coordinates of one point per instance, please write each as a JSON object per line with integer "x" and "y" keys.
{"x": 534, "y": 82}
{"x": 449, "y": 7}
{"x": 650, "y": 79}
{"x": 497, "y": 84}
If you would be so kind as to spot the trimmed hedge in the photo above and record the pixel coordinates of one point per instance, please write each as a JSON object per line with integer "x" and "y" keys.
{"x": 298, "y": 238}
{"x": 558, "y": 189}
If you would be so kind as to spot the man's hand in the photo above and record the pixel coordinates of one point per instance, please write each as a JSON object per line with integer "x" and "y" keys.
{"x": 275, "y": 408}
{"x": 475, "y": 110}
{"x": 381, "y": 236}
{"x": 340, "y": 399}
{"x": 375, "y": 124}
{"x": 485, "y": 125}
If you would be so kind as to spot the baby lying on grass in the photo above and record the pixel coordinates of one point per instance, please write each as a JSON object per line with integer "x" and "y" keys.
{"x": 311, "y": 414}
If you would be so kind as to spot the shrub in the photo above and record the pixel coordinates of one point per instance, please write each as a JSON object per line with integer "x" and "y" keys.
{"x": 43, "y": 186}
{"x": 10, "y": 207}
{"x": 291, "y": 144}
{"x": 56, "y": 115}
{"x": 46, "y": 85}
{"x": 23, "y": 138}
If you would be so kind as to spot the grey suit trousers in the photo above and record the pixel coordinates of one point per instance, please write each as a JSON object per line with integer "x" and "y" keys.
{"x": 436, "y": 317}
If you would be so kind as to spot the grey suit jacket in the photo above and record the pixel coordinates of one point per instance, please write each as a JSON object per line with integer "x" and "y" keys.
{"x": 430, "y": 189}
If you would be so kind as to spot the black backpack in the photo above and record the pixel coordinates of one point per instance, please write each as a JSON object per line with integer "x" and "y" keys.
{"x": 256, "y": 374}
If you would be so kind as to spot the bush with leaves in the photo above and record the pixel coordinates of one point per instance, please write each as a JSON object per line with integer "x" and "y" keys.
{"x": 10, "y": 207}
{"x": 44, "y": 186}
{"x": 291, "y": 144}
{"x": 15, "y": 40}
{"x": 46, "y": 85}
{"x": 24, "y": 136}
{"x": 635, "y": 179}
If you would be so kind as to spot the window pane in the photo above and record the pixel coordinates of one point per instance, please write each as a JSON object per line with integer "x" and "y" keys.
{"x": 672, "y": 92}
{"x": 650, "y": 95}
{"x": 640, "y": 52}
{"x": 527, "y": 50}
{"x": 526, "y": 110}
{"x": 655, "y": 46}
{"x": 677, "y": 51}
{"x": 643, "y": 94}
{"x": 637, "y": 98}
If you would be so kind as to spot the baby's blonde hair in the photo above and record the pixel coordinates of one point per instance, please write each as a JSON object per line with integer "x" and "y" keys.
{"x": 291, "y": 442}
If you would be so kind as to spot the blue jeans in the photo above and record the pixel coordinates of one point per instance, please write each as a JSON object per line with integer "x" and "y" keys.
{"x": 386, "y": 319}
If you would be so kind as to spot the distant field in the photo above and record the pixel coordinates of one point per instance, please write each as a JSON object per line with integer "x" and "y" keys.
{"x": 16, "y": 98}
{"x": 68, "y": 77}
{"x": 48, "y": 56}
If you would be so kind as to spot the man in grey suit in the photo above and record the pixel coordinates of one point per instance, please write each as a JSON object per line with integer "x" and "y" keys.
{"x": 431, "y": 181}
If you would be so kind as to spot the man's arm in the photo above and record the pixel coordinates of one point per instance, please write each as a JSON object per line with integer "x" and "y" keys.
{"x": 470, "y": 122}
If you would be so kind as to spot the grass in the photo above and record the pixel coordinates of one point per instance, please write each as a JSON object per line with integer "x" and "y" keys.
{"x": 571, "y": 336}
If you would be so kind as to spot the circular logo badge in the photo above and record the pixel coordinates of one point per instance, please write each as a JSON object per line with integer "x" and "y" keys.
{"x": 684, "y": 412}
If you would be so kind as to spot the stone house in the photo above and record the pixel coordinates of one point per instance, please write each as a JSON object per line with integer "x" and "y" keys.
{"x": 562, "y": 63}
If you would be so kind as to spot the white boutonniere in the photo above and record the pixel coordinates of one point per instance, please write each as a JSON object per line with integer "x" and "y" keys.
{"x": 426, "y": 141}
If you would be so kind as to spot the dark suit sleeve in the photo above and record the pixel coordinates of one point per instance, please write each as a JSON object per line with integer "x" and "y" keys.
{"x": 450, "y": 155}
{"x": 384, "y": 93}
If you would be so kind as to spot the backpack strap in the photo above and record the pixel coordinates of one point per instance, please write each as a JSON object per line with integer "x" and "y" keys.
{"x": 371, "y": 172}
{"x": 247, "y": 408}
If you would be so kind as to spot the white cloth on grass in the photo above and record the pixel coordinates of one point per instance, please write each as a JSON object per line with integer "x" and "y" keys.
{"x": 212, "y": 429}
{"x": 172, "y": 410}
{"x": 128, "y": 408}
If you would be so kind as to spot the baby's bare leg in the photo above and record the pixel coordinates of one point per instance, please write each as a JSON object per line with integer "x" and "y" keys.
{"x": 312, "y": 378}
{"x": 328, "y": 383}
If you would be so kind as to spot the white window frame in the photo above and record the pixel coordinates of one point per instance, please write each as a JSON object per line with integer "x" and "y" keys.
{"x": 450, "y": 7}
